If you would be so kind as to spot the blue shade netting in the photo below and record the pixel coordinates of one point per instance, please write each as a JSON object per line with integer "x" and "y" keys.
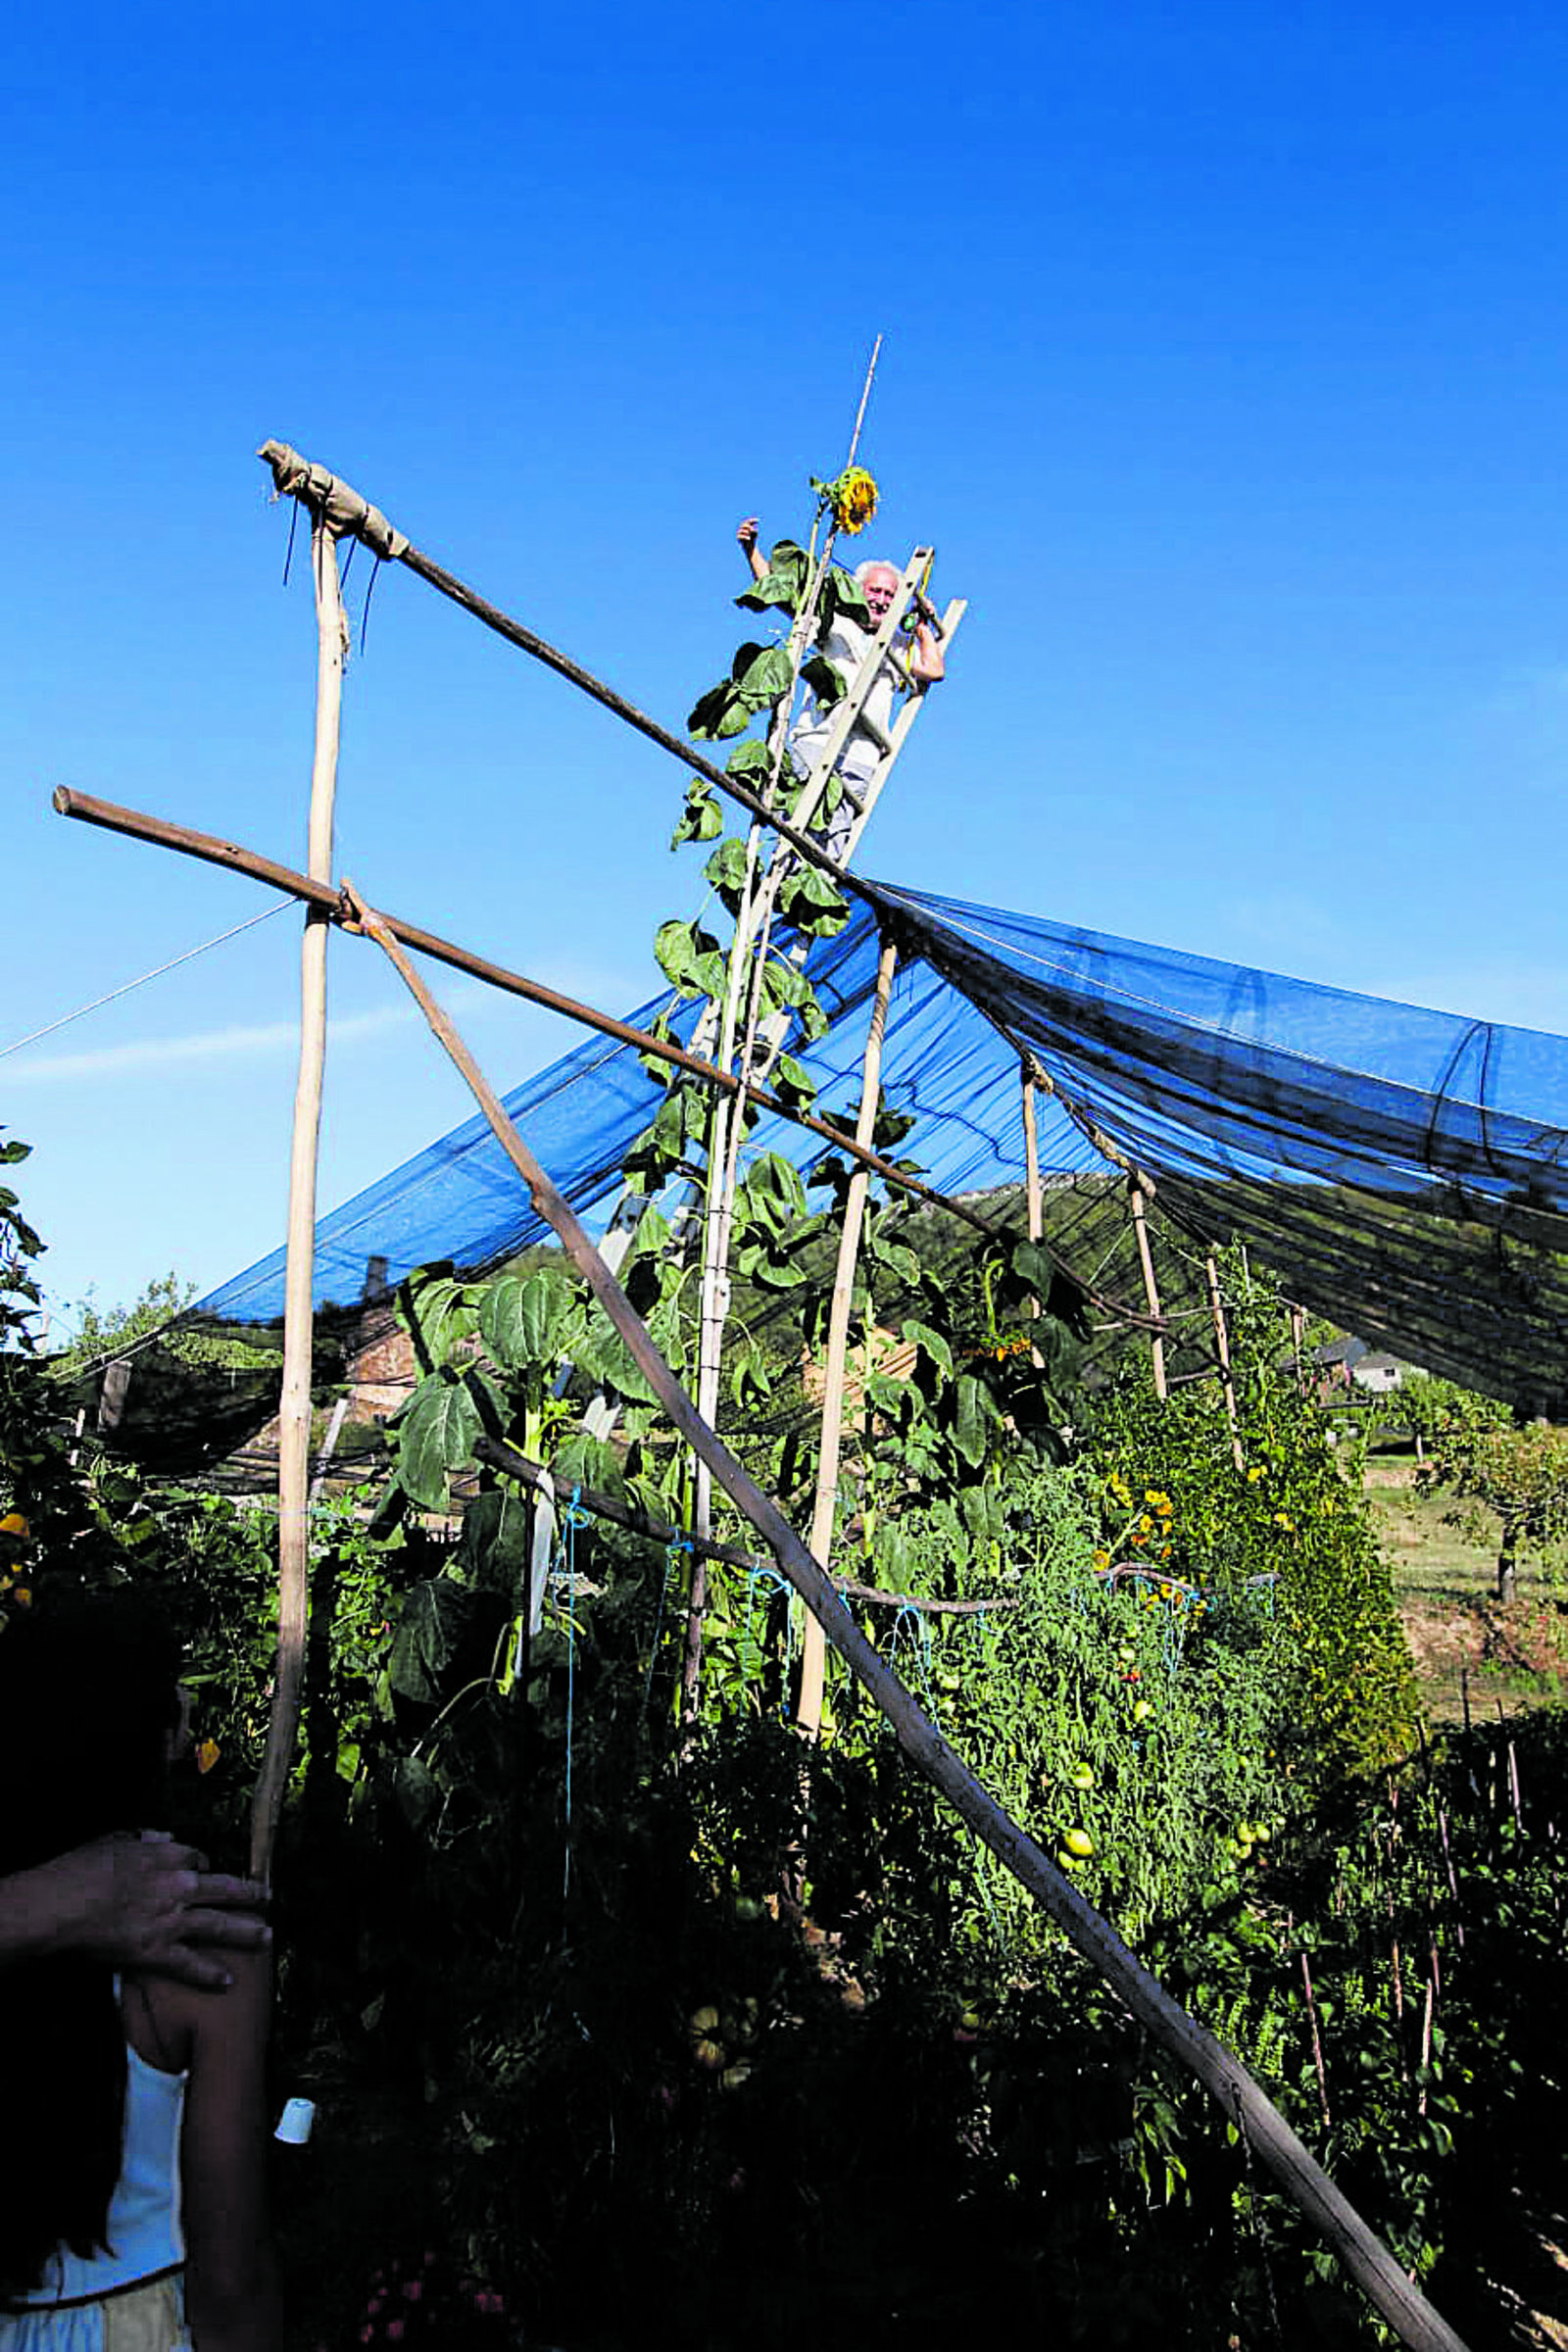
{"x": 1402, "y": 1171}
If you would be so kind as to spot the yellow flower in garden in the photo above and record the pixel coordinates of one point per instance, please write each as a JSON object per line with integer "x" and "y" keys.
{"x": 1160, "y": 1501}
{"x": 1254, "y": 1475}
{"x": 1101, "y": 1559}
{"x": 855, "y": 497}
{"x": 14, "y": 1524}
{"x": 22, "y": 1597}
{"x": 1146, "y": 1524}
{"x": 207, "y": 1755}
{"x": 1284, "y": 1519}
{"x": 1120, "y": 1487}
{"x": 1164, "y": 1551}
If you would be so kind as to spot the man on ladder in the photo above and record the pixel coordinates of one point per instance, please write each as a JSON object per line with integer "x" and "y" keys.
{"x": 846, "y": 646}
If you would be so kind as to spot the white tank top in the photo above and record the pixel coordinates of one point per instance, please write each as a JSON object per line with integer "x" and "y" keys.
{"x": 143, "y": 2225}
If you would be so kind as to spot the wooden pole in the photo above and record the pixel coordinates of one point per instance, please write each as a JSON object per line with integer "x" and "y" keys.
{"x": 213, "y": 851}
{"x": 1222, "y": 1345}
{"x": 353, "y": 515}
{"x": 294, "y": 1412}
{"x": 1031, "y": 1158}
{"x": 1157, "y": 1345}
{"x": 814, "y": 1654}
{"x": 1303, "y": 2179}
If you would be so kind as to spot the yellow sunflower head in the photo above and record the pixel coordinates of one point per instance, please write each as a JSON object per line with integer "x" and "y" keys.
{"x": 855, "y": 497}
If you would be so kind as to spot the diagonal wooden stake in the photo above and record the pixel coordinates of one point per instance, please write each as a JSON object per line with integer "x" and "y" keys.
{"x": 1269, "y": 2135}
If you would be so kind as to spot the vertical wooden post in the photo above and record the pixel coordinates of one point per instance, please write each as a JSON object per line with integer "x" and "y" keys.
{"x": 1156, "y": 1344}
{"x": 1030, "y": 1150}
{"x": 1298, "y": 1334}
{"x": 294, "y": 1414}
{"x": 1217, "y": 1309}
{"x": 809, "y": 1710}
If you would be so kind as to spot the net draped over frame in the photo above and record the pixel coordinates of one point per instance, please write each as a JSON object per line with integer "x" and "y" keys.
{"x": 1402, "y": 1171}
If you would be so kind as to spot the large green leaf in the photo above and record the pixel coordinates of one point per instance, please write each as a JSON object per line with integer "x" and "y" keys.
{"x": 975, "y": 1415}
{"x": 809, "y": 901}
{"x": 721, "y": 711}
{"x": 751, "y": 762}
{"x": 727, "y": 872}
{"x": 783, "y": 583}
{"x": 493, "y": 1552}
{"x": 589, "y": 1462}
{"x": 604, "y": 1355}
{"x": 417, "y": 1791}
{"x": 764, "y": 673}
{"x": 501, "y": 1321}
{"x": 825, "y": 680}
{"x": 793, "y": 1083}
{"x": 549, "y": 1314}
{"x": 438, "y": 1311}
{"x": 701, "y": 817}
{"x": 933, "y": 1343}
{"x": 679, "y": 948}
{"x": 435, "y": 1433}
{"x": 983, "y": 1513}
{"x": 436, "y": 1616}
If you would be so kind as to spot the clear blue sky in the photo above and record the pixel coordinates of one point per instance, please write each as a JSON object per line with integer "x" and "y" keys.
{"x": 1226, "y": 363}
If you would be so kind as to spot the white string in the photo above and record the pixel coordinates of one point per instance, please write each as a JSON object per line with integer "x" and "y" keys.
{"x": 174, "y": 964}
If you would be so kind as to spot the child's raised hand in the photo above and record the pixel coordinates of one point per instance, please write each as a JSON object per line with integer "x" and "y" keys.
{"x": 147, "y": 1903}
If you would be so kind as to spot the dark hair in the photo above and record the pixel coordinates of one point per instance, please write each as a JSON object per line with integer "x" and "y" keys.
{"x": 88, "y": 1695}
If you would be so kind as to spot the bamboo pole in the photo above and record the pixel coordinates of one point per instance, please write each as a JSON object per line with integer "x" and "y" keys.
{"x": 1216, "y": 1307}
{"x": 210, "y": 849}
{"x": 353, "y": 515}
{"x": 294, "y": 1411}
{"x": 1157, "y": 1345}
{"x": 813, "y": 1655}
{"x": 1303, "y": 2179}
{"x": 1031, "y": 1154}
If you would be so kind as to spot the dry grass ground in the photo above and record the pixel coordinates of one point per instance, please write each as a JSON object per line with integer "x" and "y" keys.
{"x": 1463, "y": 1639}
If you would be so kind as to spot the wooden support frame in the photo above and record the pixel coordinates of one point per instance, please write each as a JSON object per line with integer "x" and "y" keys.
{"x": 1268, "y": 2135}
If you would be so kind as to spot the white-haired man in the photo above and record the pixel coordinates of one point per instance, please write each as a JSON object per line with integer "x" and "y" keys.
{"x": 846, "y": 646}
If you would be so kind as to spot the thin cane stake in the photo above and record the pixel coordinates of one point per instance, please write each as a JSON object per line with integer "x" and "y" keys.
{"x": 1317, "y": 2045}
{"x": 1156, "y": 1345}
{"x": 859, "y": 414}
{"x": 813, "y": 1657}
{"x": 1217, "y": 1309}
{"x": 1303, "y": 2179}
{"x": 294, "y": 1412}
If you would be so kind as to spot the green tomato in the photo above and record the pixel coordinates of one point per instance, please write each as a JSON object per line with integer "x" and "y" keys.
{"x": 1081, "y": 1775}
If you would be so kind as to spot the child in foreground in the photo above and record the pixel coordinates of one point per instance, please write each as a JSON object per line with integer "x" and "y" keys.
{"x": 132, "y": 2134}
